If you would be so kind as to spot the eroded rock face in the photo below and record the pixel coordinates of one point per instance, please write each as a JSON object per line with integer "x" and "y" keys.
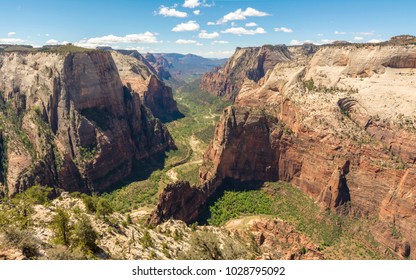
{"x": 178, "y": 201}
{"x": 140, "y": 77}
{"x": 275, "y": 239}
{"x": 181, "y": 201}
{"x": 246, "y": 63}
{"x": 321, "y": 122}
{"x": 70, "y": 123}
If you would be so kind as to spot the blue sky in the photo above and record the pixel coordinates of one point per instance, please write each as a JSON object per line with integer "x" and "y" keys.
{"x": 208, "y": 28}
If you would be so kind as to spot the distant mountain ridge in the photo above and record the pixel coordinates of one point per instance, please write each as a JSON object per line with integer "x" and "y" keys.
{"x": 185, "y": 67}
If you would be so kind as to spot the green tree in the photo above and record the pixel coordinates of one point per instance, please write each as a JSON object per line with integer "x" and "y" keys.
{"x": 84, "y": 235}
{"x": 38, "y": 194}
{"x": 103, "y": 208}
{"x": 89, "y": 202}
{"x": 61, "y": 227}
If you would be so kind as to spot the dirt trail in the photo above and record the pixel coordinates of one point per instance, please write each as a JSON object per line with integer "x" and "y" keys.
{"x": 194, "y": 143}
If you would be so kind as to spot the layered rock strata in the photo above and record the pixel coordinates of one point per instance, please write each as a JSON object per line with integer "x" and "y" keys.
{"x": 338, "y": 123}
{"x": 139, "y": 76}
{"x": 68, "y": 122}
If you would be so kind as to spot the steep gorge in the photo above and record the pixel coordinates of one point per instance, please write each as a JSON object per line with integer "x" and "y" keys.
{"x": 338, "y": 123}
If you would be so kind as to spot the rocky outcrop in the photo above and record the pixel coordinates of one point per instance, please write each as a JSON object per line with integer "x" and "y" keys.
{"x": 320, "y": 121}
{"x": 275, "y": 239}
{"x": 69, "y": 123}
{"x": 246, "y": 63}
{"x": 179, "y": 201}
{"x": 141, "y": 78}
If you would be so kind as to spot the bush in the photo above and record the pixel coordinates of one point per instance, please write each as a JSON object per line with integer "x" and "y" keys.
{"x": 24, "y": 240}
{"x": 97, "y": 205}
{"x": 146, "y": 240}
{"x": 207, "y": 246}
{"x": 36, "y": 195}
{"x": 89, "y": 203}
{"x": 61, "y": 252}
{"x": 103, "y": 208}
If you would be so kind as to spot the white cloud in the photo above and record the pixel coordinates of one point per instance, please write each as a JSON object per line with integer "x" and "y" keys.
{"x": 211, "y": 23}
{"x": 197, "y": 12}
{"x": 199, "y": 44}
{"x": 186, "y": 26}
{"x": 185, "y": 42}
{"x": 11, "y": 41}
{"x": 205, "y": 35}
{"x": 56, "y": 42}
{"x": 251, "y": 24}
{"x": 323, "y": 41}
{"x": 191, "y": 4}
{"x": 243, "y": 31}
{"x": 139, "y": 49}
{"x": 241, "y": 15}
{"x": 52, "y": 42}
{"x": 47, "y": 35}
{"x": 216, "y": 54}
{"x": 365, "y": 33}
{"x": 283, "y": 29}
{"x": 219, "y": 42}
{"x": 296, "y": 42}
{"x": 340, "y": 33}
{"x": 11, "y": 33}
{"x": 320, "y": 42}
{"x": 233, "y": 24}
{"x": 374, "y": 41}
{"x": 319, "y": 34}
{"x": 167, "y": 12}
{"x": 357, "y": 38}
{"x": 147, "y": 37}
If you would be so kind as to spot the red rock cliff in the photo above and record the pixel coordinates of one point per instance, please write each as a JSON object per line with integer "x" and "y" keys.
{"x": 325, "y": 122}
{"x": 142, "y": 79}
{"x": 69, "y": 122}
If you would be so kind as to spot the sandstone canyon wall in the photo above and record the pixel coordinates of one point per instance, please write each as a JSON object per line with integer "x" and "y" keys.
{"x": 339, "y": 123}
{"x": 139, "y": 76}
{"x": 250, "y": 63}
{"x": 68, "y": 122}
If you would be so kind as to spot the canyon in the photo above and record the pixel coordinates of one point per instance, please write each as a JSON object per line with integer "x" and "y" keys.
{"x": 324, "y": 134}
{"x": 336, "y": 121}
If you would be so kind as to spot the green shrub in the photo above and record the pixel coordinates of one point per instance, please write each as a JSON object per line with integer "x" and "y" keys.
{"x": 207, "y": 246}
{"x": 146, "y": 240}
{"x": 61, "y": 252}
{"x": 89, "y": 202}
{"x": 24, "y": 240}
{"x": 37, "y": 194}
{"x": 309, "y": 84}
{"x": 103, "y": 208}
